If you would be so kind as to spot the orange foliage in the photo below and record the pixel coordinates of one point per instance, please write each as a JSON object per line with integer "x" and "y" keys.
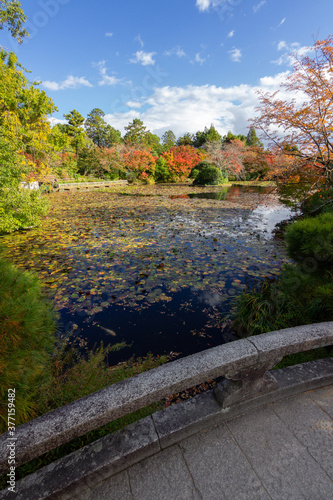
{"x": 181, "y": 159}
{"x": 306, "y": 118}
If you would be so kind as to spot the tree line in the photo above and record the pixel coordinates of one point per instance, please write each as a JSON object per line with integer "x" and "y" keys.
{"x": 299, "y": 134}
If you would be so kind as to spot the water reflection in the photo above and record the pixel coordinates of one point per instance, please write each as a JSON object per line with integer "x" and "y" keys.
{"x": 226, "y": 193}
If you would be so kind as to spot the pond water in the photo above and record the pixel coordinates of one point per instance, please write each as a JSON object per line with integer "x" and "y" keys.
{"x": 157, "y": 269}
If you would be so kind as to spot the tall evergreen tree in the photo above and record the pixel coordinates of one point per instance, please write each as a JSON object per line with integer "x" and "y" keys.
{"x": 252, "y": 139}
{"x": 209, "y": 134}
{"x": 75, "y": 128}
{"x": 168, "y": 140}
{"x": 135, "y": 133}
{"x": 185, "y": 140}
{"x": 96, "y": 127}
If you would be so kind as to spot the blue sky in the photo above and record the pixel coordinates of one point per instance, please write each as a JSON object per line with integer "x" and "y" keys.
{"x": 176, "y": 64}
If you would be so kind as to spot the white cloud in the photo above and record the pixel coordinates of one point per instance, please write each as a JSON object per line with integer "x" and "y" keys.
{"x": 231, "y": 34}
{"x": 204, "y": 5}
{"x": 177, "y": 51}
{"x": 235, "y": 55}
{"x": 199, "y": 59}
{"x": 291, "y": 52}
{"x": 106, "y": 80}
{"x": 282, "y": 45}
{"x": 283, "y": 20}
{"x": 145, "y": 58}
{"x": 139, "y": 40}
{"x": 191, "y": 108}
{"x": 134, "y": 104}
{"x": 109, "y": 34}
{"x": 71, "y": 82}
{"x": 54, "y": 121}
{"x": 274, "y": 81}
{"x": 258, "y": 6}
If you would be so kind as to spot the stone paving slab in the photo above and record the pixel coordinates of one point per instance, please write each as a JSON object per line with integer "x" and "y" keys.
{"x": 164, "y": 476}
{"x": 323, "y": 398}
{"x": 219, "y": 467}
{"x": 116, "y": 489}
{"x": 281, "y": 462}
{"x": 312, "y": 427}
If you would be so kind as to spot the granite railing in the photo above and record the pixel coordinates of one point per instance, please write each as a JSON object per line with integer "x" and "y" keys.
{"x": 241, "y": 367}
{"x": 64, "y": 186}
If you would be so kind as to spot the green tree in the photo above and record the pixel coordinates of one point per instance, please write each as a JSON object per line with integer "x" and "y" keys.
{"x": 152, "y": 141}
{"x": 208, "y": 135}
{"x": 135, "y": 133}
{"x": 227, "y": 139}
{"x": 185, "y": 140}
{"x": 24, "y": 132}
{"x": 112, "y": 137}
{"x": 96, "y": 127}
{"x": 12, "y": 17}
{"x": 168, "y": 140}
{"x": 252, "y": 139}
{"x": 75, "y": 128}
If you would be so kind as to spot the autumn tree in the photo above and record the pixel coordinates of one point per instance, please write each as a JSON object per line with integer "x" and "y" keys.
{"x": 141, "y": 162}
{"x": 180, "y": 160}
{"x": 232, "y": 158}
{"x": 305, "y": 119}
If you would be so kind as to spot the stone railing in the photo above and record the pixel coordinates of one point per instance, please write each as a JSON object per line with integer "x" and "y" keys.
{"x": 68, "y": 186}
{"x": 243, "y": 366}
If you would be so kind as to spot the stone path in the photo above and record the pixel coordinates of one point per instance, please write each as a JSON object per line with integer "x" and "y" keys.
{"x": 281, "y": 451}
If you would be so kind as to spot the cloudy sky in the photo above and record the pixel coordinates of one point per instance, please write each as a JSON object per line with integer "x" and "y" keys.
{"x": 175, "y": 64}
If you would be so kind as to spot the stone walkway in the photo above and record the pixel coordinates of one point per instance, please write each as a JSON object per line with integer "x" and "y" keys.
{"x": 281, "y": 451}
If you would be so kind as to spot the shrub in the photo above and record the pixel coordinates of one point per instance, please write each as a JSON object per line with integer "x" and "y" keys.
{"x": 27, "y": 326}
{"x": 205, "y": 173}
{"x": 162, "y": 173}
{"x": 311, "y": 238}
{"x": 20, "y": 208}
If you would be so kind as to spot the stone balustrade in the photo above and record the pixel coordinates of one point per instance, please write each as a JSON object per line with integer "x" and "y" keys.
{"x": 241, "y": 367}
{"x": 69, "y": 186}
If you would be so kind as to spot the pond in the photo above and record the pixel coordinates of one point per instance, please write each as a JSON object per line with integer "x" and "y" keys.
{"x": 155, "y": 270}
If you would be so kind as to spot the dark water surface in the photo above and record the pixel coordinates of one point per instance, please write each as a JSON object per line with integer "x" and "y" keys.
{"x": 158, "y": 273}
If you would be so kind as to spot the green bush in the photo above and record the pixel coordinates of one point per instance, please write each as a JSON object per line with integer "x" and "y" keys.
{"x": 27, "y": 326}
{"x": 20, "y": 208}
{"x": 312, "y": 238}
{"x": 206, "y": 173}
{"x": 162, "y": 173}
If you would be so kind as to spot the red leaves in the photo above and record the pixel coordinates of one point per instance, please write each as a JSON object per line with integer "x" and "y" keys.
{"x": 181, "y": 160}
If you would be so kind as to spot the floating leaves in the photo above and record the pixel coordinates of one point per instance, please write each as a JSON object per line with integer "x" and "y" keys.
{"x": 97, "y": 249}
